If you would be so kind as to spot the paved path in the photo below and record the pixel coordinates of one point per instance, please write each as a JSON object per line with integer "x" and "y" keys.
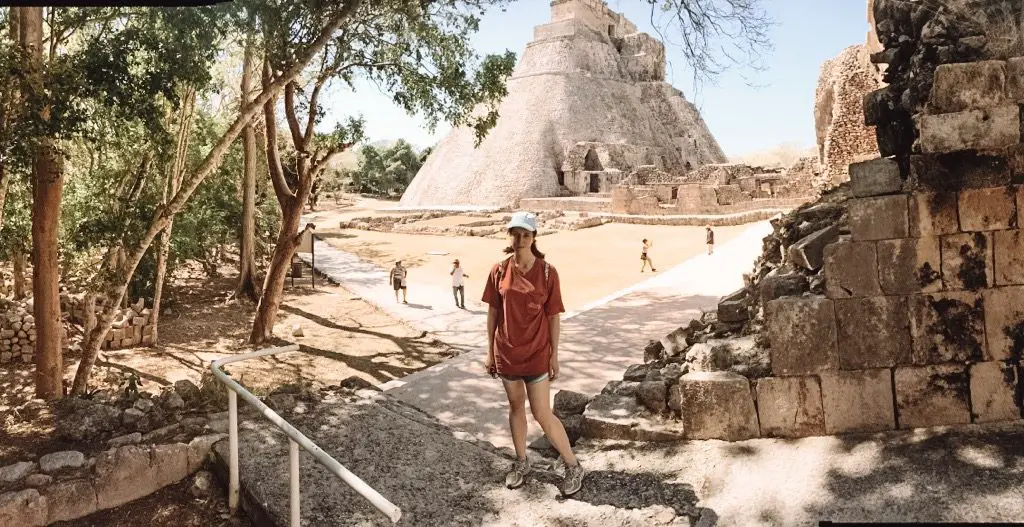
{"x": 598, "y": 342}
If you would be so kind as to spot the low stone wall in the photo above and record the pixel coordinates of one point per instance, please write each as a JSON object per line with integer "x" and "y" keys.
{"x": 63, "y": 486}
{"x": 131, "y": 326}
{"x": 563, "y": 204}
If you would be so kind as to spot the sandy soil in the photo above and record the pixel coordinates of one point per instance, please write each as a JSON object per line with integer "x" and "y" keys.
{"x": 592, "y": 263}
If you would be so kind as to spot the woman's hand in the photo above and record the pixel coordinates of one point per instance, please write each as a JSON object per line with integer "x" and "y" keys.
{"x": 489, "y": 365}
{"x": 553, "y": 367}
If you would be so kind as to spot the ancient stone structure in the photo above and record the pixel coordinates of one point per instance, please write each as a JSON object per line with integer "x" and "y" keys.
{"x": 131, "y": 326}
{"x": 839, "y": 125}
{"x": 587, "y": 104}
{"x": 898, "y": 300}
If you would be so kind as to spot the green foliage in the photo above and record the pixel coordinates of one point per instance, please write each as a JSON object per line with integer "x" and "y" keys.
{"x": 16, "y": 233}
{"x": 385, "y": 171}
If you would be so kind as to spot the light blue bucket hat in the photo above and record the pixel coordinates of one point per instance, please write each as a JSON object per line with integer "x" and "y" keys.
{"x": 523, "y": 220}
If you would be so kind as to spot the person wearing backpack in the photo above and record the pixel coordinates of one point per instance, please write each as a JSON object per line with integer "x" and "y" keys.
{"x": 523, "y": 326}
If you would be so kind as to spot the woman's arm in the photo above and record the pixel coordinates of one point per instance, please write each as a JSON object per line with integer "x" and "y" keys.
{"x": 492, "y": 326}
{"x": 555, "y": 328}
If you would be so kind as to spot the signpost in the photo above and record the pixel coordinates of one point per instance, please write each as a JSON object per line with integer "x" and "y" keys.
{"x": 306, "y": 246}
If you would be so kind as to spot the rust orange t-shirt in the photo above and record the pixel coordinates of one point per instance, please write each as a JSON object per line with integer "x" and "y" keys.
{"x": 522, "y": 340}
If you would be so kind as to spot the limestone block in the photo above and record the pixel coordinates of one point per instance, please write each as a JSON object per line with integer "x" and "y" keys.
{"x": 879, "y": 217}
{"x": 26, "y": 508}
{"x": 68, "y": 500}
{"x": 717, "y": 405}
{"x": 790, "y": 406}
{"x": 199, "y": 447}
{"x": 987, "y": 209}
{"x": 874, "y": 332}
{"x": 169, "y": 463}
{"x": 733, "y": 307}
{"x": 611, "y": 416}
{"x": 933, "y": 213}
{"x": 802, "y": 332}
{"x": 947, "y": 327}
{"x": 122, "y": 475}
{"x": 809, "y": 252}
{"x": 909, "y": 265}
{"x": 1008, "y": 265}
{"x": 876, "y": 177}
{"x": 1015, "y": 79}
{"x": 967, "y": 261}
{"x": 57, "y": 461}
{"x": 857, "y": 401}
{"x": 777, "y": 285}
{"x": 968, "y": 85}
{"x": 932, "y": 395}
{"x": 1004, "y": 322}
{"x": 987, "y": 129}
{"x": 15, "y": 472}
{"x": 675, "y": 342}
{"x": 851, "y": 270}
{"x": 993, "y": 385}
{"x": 653, "y": 395}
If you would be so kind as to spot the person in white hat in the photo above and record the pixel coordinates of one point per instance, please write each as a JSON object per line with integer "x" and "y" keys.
{"x": 458, "y": 284}
{"x": 523, "y": 325}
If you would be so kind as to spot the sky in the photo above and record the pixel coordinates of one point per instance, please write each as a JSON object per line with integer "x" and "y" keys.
{"x": 747, "y": 111}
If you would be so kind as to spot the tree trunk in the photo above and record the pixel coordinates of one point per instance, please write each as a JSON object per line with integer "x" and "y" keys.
{"x": 171, "y": 186}
{"x": 247, "y": 254}
{"x": 47, "y": 185}
{"x": 280, "y": 264}
{"x": 19, "y": 274}
{"x": 115, "y": 290}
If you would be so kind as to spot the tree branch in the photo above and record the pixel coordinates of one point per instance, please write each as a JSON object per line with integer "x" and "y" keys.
{"x": 281, "y": 188}
{"x": 292, "y": 118}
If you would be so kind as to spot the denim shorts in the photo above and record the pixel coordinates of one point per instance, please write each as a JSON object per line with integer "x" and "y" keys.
{"x": 528, "y": 379}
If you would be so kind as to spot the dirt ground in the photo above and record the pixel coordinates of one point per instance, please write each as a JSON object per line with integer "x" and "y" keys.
{"x": 592, "y": 263}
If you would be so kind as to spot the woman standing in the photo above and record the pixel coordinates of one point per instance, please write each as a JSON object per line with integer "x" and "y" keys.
{"x": 644, "y": 259}
{"x": 523, "y": 324}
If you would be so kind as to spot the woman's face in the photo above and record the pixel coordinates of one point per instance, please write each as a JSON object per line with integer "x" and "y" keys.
{"x": 520, "y": 238}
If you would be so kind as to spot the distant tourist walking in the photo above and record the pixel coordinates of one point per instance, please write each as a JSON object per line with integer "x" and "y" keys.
{"x": 709, "y": 238}
{"x": 398, "y": 280}
{"x": 645, "y": 259}
{"x": 523, "y": 327}
{"x": 458, "y": 284}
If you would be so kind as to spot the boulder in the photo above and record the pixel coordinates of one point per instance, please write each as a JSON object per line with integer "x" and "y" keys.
{"x": 85, "y": 421}
{"x": 654, "y": 351}
{"x": 635, "y": 373}
{"x": 675, "y": 342}
{"x": 621, "y": 388}
{"x": 15, "y": 472}
{"x": 653, "y": 394}
{"x": 26, "y": 508}
{"x": 189, "y": 392}
{"x": 718, "y": 405}
{"x": 809, "y": 251}
{"x": 616, "y": 417}
{"x": 568, "y": 402}
{"x": 777, "y": 285}
{"x": 57, "y": 461}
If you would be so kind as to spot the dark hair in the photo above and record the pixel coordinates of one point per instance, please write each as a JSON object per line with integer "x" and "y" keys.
{"x": 644, "y": 240}
{"x": 533, "y": 249}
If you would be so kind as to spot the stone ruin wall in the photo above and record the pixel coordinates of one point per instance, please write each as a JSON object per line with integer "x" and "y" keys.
{"x": 131, "y": 326}
{"x": 842, "y": 136}
{"x": 896, "y": 301}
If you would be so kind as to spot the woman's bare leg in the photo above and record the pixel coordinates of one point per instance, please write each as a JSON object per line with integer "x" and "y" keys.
{"x": 516, "y": 393}
{"x": 540, "y": 404}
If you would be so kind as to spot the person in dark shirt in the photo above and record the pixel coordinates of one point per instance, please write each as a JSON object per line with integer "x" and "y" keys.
{"x": 709, "y": 238}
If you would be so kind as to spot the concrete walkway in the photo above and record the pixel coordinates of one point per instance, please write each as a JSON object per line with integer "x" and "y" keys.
{"x": 598, "y": 342}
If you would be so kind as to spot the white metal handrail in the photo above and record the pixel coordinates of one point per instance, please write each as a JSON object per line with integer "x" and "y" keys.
{"x": 295, "y": 440}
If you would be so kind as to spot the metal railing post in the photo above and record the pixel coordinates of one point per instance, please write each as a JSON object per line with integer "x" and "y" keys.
{"x": 296, "y": 439}
{"x": 233, "y": 450}
{"x": 293, "y": 465}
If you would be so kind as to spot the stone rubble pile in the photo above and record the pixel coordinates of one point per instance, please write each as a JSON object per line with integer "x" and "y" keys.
{"x": 842, "y": 136}
{"x": 17, "y": 331}
{"x": 131, "y": 326}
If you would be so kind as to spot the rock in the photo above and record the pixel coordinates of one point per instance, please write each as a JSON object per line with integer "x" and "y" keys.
{"x": 87, "y": 421}
{"x": 778, "y": 285}
{"x": 57, "y": 461}
{"x": 356, "y": 383}
{"x": 675, "y": 342}
{"x": 568, "y": 402}
{"x": 653, "y": 351}
{"x": 718, "y": 405}
{"x": 200, "y": 447}
{"x": 202, "y": 485}
{"x": 69, "y": 500}
{"x": 809, "y": 251}
{"x": 190, "y": 393}
{"x": 671, "y": 372}
{"x": 621, "y": 388}
{"x": 14, "y": 473}
{"x": 143, "y": 405}
{"x": 172, "y": 401}
{"x": 616, "y": 417}
{"x": 280, "y": 402}
{"x": 132, "y": 416}
{"x": 38, "y": 480}
{"x": 653, "y": 394}
{"x": 635, "y": 373}
{"x": 127, "y": 439}
{"x": 26, "y": 508}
